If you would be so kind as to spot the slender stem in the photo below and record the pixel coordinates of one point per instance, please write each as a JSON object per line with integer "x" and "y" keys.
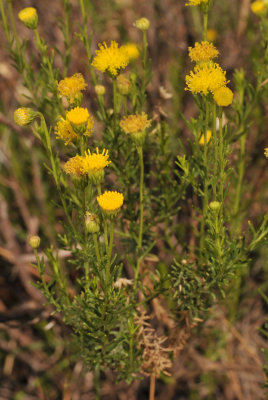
{"x": 97, "y": 250}
{"x": 205, "y": 25}
{"x": 97, "y": 382}
{"x": 221, "y": 158}
{"x": 241, "y": 171}
{"x": 140, "y": 152}
{"x": 215, "y": 144}
{"x": 205, "y": 197}
{"x": 108, "y": 265}
{"x": 104, "y": 223}
{"x": 152, "y": 387}
{"x": 114, "y": 105}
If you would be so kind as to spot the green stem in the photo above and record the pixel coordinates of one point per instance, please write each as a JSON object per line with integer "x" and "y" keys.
{"x": 109, "y": 254}
{"x": 215, "y": 144}
{"x": 97, "y": 250}
{"x": 205, "y": 197}
{"x": 114, "y": 105}
{"x": 221, "y": 160}
{"x": 241, "y": 171}
{"x": 97, "y": 382}
{"x": 205, "y": 25}
{"x": 104, "y": 223}
{"x": 140, "y": 153}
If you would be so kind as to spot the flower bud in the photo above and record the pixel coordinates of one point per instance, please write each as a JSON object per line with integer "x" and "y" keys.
{"x": 92, "y": 222}
{"x": 100, "y": 90}
{"x": 123, "y": 84}
{"x": 24, "y": 116}
{"x": 214, "y": 206}
{"x": 143, "y": 24}
{"x": 29, "y": 17}
{"x": 34, "y": 241}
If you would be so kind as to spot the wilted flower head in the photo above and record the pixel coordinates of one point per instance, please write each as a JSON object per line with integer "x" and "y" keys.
{"x": 202, "y": 52}
{"x": 110, "y": 59}
{"x": 136, "y": 125}
{"x": 74, "y": 166}
{"x": 64, "y": 131}
{"x": 71, "y": 87}
{"x": 206, "y": 78}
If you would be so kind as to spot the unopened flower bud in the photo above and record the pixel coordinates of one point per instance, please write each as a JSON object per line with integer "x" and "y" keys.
{"x": 24, "y": 116}
{"x": 123, "y": 84}
{"x": 92, "y": 222}
{"x": 143, "y": 24}
{"x": 100, "y": 90}
{"x": 29, "y": 17}
{"x": 214, "y": 206}
{"x": 34, "y": 241}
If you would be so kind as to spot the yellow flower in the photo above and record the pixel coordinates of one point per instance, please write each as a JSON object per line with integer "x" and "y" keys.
{"x": 202, "y": 138}
{"x": 71, "y": 87}
{"x": 94, "y": 164}
{"x": 24, "y": 116}
{"x": 74, "y": 166}
{"x": 257, "y": 7}
{"x": 110, "y": 201}
{"x": 212, "y": 35}
{"x": 132, "y": 50}
{"x": 80, "y": 120}
{"x": 266, "y": 152}
{"x": 135, "y": 123}
{"x": 64, "y": 131}
{"x": 196, "y": 2}
{"x": 203, "y": 51}
{"x": 223, "y": 96}
{"x": 206, "y": 78}
{"x": 110, "y": 59}
{"x": 29, "y": 17}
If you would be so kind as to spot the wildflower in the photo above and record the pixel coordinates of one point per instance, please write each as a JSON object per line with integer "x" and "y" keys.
{"x": 94, "y": 164}
{"x": 266, "y": 152}
{"x": 92, "y": 222}
{"x": 123, "y": 84}
{"x": 203, "y": 51}
{"x": 202, "y": 138}
{"x": 29, "y": 17}
{"x": 80, "y": 120}
{"x": 257, "y": 7}
{"x": 100, "y": 90}
{"x": 143, "y": 24}
{"x": 110, "y": 202}
{"x": 223, "y": 96}
{"x": 34, "y": 241}
{"x": 206, "y": 78}
{"x": 110, "y": 59}
{"x": 212, "y": 35}
{"x": 24, "y": 116}
{"x": 64, "y": 131}
{"x": 135, "y": 125}
{"x": 132, "y": 51}
{"x": 214, "y": 206}
{"x": 74, "y": 166}
{"x": 71, "y": 87}
{"x": 196, "y": 2}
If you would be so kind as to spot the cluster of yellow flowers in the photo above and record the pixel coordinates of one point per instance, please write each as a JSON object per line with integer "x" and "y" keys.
{"x": 207, "y": 76}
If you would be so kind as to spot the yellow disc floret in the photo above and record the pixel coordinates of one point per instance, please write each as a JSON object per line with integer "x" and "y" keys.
{"x": 71, "y": 87}
{"x": 202, "y": 52}
{"x": 223, "y": 96}
{"x": 206, "y": 78}
{"x": 132, "y": 50}
{"x": 29, "y": 17}
{"x": 64, "y": 131}
{"x": 74, "y": 166}
{"x": 95, "y": 161}
{"x": 110, "y": 59}
{"x": 110, "y": 201}
{"x": 78, "y": 116}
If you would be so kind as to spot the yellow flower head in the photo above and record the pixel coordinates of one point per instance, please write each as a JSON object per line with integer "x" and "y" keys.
{"x": 202, "y": 52}
{"x": 78, "y": 116}
{"x": 196, "y": 2}
{"x": 206, "y": 78}
{"x": 135, "y": 123}
{"x": 132, "y": 51}
{"x": 110, "y": 201}
{"x": 74, "y": 166}
{"x": 71, "y": 87}
{"x": 202, "y": 138}
{"x": 257, "y": 7}
{"x": 223, "y": 96}
{"x": 212, "y": 35}
{"x": 266, "y": 152}
{"x": 64, "y": 131}
{"x": 24, "y": 116}
{"x": 29, "y": 17}
{"x": 93, "y": 162}
{"x": 110, "y": 59}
